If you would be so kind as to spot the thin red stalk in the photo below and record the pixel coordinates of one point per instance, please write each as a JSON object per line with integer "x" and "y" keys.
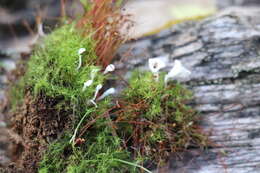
{"x": 101, "y": 16}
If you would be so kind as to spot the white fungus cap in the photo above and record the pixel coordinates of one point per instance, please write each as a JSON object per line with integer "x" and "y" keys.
{"x": 109, "y": 68}
{"x": 178, "y": 72}
{"x": 81, "y": 50}
{"x": 99, "y": 87}
{"x": 155, "y": 64}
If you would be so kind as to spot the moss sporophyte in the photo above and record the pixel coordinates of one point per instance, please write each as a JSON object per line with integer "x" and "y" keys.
{"x": 139, "y": 127}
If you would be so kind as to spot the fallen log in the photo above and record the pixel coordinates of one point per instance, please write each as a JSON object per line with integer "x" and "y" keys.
{"x": 231, "y": 3}
{"x": 223, "y": 54}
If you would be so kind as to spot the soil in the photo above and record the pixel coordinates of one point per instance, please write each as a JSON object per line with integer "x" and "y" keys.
{"x": 32, "y": 126}
{"x": 38, "y": 123}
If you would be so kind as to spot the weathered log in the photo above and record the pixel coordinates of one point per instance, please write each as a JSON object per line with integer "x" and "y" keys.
{"x": 223, "y": 53}
{"x": 231, "y": 3}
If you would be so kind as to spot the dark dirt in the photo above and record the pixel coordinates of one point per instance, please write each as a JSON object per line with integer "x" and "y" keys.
{"x": 34, "y": 125}
{"x": 38, "y": 123}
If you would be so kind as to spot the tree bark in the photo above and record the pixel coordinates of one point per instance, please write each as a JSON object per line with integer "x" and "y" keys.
{"x": 223, "y": 53}
{"x": 228, "y": 3}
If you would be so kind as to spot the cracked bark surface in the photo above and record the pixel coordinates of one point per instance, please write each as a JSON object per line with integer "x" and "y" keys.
{"x": 223, "y": 53}
{"x": 228, "y": 3}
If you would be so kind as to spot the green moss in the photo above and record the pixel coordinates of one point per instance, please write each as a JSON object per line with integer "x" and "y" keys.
{"x": 100, "y": 155}
{"x": 55, "y": 159}
{"x": 52, "y": 71}
{"x": 160, "y": 115}
{"x": 163, "y": 124}
{"x": 53, "y": 66}
{"x": 151, "y": 121}
{"x": 155, "y": 95}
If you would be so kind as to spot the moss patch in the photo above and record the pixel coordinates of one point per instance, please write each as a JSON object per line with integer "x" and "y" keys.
{"x": 99, "y": 154}
{"x": 49, "y": 99}
{"x": 156, "y": 119}
{"x": 145, "y": 124}
{"x": 37, "y": 122}
{"x": 53, "y": 66}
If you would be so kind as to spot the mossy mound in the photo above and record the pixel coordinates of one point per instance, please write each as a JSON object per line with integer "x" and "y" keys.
{"x": 156, "y": 120}
{"x": 52, "y": 78}
{"x": 146, "y": 123}
{"x": 100, "y": 153}
{"x": 53, "y": 66}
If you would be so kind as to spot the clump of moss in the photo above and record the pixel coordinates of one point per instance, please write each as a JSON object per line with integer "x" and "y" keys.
{"x": 101, "y": 153}
{"x": 53, "y": 66}
{"x": 52, "y": 73}
{"x": 155, "y": 120}
{"x": 148, "y": 122}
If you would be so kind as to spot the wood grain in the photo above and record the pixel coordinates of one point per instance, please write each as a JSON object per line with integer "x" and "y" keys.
{"x": 223, "y": 53}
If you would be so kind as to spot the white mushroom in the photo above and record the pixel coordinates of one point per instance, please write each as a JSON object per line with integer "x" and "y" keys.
{"x": 178, "y": 72}
{"x": 155, "y": 64}
{"x": 108, "y": 92}
{"x": 95, "y": 95}
{"x": 109, "y": 68}
{"x": 80, "y": 51}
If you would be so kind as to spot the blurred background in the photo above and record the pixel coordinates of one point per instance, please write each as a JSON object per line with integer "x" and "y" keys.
{"x": 18, "y": 18}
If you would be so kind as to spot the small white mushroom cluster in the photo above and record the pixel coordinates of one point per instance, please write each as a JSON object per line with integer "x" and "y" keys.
{"x": 109, "y": 68}
{"x": 177, "y": 72}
